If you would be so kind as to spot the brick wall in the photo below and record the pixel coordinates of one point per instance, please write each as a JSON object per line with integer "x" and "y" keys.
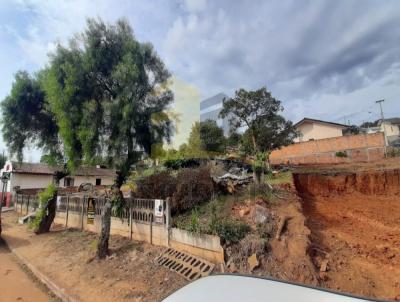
{"x": 359, "y": 148}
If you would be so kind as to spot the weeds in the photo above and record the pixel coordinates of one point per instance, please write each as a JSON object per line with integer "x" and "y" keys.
{"x": 44, "y": 196}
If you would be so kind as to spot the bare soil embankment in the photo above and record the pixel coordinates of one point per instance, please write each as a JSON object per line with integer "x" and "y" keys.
{"x": 354, "y": 218}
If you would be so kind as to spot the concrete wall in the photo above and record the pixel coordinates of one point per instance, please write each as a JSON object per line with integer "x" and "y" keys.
{"x": 205, "y": 246}
{"x": 359, "y": 148}
{"x": 202, "y": 245}
{"x": 314, "y": 131}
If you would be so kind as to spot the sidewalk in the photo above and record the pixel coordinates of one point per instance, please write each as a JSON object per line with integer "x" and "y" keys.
{"x": 15, "y": 284}
{"x": 64, "y": 257}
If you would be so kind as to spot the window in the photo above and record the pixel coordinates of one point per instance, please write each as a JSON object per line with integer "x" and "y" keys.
{"x": 68, "y": 182}
{"x": 98, "y": 181}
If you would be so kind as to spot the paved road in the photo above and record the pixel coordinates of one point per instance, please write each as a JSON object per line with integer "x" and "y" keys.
{"x": 15, "y": 284}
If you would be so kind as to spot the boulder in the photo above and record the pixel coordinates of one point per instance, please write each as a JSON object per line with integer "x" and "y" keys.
{"x": 260, "y": 214}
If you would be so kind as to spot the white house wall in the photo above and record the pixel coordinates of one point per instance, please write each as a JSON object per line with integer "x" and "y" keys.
{"x": 29, "y": 181}
{"x": 78, "y": 180}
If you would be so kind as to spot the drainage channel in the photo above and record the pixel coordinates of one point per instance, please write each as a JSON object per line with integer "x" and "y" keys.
{"x": 188, "y": 266}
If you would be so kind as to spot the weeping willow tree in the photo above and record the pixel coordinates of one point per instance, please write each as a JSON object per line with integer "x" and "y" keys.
{"x": 107, "y": 96}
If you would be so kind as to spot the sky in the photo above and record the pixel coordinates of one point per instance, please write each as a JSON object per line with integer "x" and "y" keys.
{"x": 323, "y": 59}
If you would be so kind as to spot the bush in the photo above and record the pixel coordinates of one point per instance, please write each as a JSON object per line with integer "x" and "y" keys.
{"x": 193, "y": 187}
{"x": 194, "y": 226}
{"x": 179, "y": 163}
{"x": 161, "y": 185}
{"x": 231, "y": 231}
{"x": 44, "y": 196}
{"x": 341, "y": 154}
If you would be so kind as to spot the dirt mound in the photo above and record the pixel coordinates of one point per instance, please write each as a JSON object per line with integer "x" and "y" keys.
{"x": 285, "y": 256}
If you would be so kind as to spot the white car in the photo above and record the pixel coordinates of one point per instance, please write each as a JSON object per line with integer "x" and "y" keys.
{"x": 235, "y": 288}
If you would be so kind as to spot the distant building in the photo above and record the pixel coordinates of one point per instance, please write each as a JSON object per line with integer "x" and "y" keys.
{"x": 391, "y": 127}
{"x": 210, "y": 109}
{"x": 312, "y": 129}
{"x": 39, "y": 176}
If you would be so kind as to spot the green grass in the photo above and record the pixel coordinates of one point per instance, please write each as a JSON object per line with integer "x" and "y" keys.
{"x": 199, "y": 218}
{"x": 281, "y": 178}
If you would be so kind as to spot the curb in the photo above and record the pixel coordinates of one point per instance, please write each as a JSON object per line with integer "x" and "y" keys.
{"x": 56, "y": 290}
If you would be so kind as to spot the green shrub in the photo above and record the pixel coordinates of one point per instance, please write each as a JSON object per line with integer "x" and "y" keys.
{"x": 194, "y": 226}
{"x": 44, "y": 196}
{"x": 231, "y": 231}
{"x": 341, "y": 154}
{"x": 179, "y": 163}
{"x": 161, "y": 185}
{"x": 193, "y": 187}
{"x": 393, "y": 152}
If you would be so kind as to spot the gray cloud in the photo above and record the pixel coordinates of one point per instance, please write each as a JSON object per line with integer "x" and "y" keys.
{"x": 322, "y": 58}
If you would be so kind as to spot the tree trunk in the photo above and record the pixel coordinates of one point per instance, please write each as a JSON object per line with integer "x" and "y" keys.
{"x": 48, "y": 218}
{"x": 102, "y": 246}
{"x": 257, "y": 178}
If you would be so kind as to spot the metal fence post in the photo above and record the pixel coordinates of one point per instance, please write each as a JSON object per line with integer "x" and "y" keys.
{"x": 66, "y": 215}
{"x": 82, "y": 211}
{"x": 27, "y": 205}
{"x": 130, "y": 217}
{"x": 168, "y": 218}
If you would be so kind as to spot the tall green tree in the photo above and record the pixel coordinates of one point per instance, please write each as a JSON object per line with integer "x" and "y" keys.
{"x": 212, "y": 137}
{"x": 259, "y": 112}
{"x": 27, "y": 118}
{"x": 107, "y": 95}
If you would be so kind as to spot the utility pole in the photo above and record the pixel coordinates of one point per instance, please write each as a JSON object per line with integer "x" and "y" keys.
{"x": 382, "y": 124}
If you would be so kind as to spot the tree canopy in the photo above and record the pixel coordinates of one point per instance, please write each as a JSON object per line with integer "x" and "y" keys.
{"x": 26, "y": 117}
{"x": 259, "y": 113}
{"x": 104, "y": 95}
{"x": 211, "y": 137}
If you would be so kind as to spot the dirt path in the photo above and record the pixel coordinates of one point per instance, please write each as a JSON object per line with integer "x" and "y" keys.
{"x": 358, "y": 236}
{"x": 15, "y": 284}
{"x": 129, "y": 274}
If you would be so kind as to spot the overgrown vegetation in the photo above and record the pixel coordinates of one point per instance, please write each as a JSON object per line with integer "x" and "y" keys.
{"x": 394, "y": 152}
{"x": 187, "y": 189}
{"x": 193, "y": 187}
{"x": 231, "y": 231}
{"x": 160, "y": 185}
{"x": 44, "y": 196}
{"x": 341, "y": 154}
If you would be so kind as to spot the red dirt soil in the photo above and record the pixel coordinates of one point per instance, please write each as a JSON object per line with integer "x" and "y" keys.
{"x": 354, "y": 220}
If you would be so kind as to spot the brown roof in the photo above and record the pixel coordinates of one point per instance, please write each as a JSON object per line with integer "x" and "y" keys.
{"x": 311, "y": 120}
{"x": 33, "y": 168}
{"x": 38, "y": 168}
{"x": 93, "y": 171}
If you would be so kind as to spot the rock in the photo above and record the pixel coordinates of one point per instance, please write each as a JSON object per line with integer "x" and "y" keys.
{"x": 260, "y": 214}
{"x": 324, "y": 266}
{"x": 232, "y": 267}
{"x": 244, "y": 212}
{"x": 253, "y": 262}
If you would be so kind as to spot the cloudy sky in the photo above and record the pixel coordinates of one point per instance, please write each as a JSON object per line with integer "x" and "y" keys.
{"x": 323, "y": 59}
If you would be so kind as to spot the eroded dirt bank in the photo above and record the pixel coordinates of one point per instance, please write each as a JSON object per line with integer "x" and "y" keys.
{"x": 354, "y": 220}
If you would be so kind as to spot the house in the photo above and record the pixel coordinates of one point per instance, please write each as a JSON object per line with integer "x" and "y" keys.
{"x": 39, "y": 176}
{"x": 312, "y": 129}
{"x": 391, "y": 130}
{"x": 391, "y": 127}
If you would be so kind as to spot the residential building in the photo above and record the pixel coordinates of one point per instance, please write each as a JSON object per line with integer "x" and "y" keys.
{"x": 391, "y": 130}
{"x": 391, "y": 127}
{"x": 312, "y": 129}
{"x": 210, "y": 109}
{"x": 38, "y": 176}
